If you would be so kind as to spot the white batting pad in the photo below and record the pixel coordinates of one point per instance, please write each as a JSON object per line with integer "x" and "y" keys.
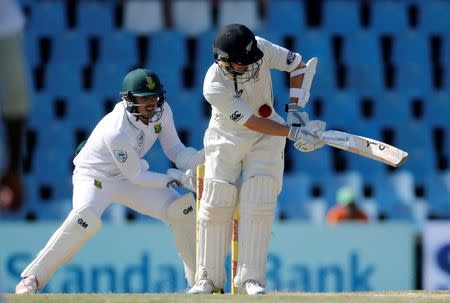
{"x": 214, "y": 226}
{"x": 181, "y": 214}
{"x": 258, "y": 198}
{"x": 79, "y": 226}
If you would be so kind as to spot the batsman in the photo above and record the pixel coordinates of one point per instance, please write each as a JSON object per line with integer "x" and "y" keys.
{"x": 110, "y": 168}
{"x": 244, "y": 151}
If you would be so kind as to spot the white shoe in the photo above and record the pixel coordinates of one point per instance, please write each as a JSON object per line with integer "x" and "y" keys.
{"x": 254, "y": 288}
{"x": 28, "y": 285}
{"x": 202, "y": 287}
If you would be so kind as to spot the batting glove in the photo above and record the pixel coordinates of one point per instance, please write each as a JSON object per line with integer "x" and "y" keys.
{"x": 180, "y": 178}
{"x": 294, "y": 116}
{"x": 307, "y": 137}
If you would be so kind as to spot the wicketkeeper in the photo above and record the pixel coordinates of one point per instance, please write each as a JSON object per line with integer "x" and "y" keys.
{"x": 246, "y": 139}
{"x": 110, "y": 168}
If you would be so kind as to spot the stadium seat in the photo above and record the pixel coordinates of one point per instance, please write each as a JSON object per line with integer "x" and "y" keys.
{"x": 167, "y": 51}
{"x": 434, "y": 16}
{"x": 316, "y": 164}
{"x": 119, "y": 46}
{"x": 362, "y": 57}
{"x": 31, "y": 48}
{"x": 70, "y": 47}
{"x": 341, "y": 16}
{"x": 242, "y": 11}
{"x": 351, "y": 179}
{"x": 143, "y": 17}
{"x": 396, "y": 188}
{"x": 437, "y": 108}
{"x": 95, "y": 17}
{"x": 108, "y": 77}
{"x": 197, "y": 21}
{"x": 392, "y": 108}
{"x": 286, "y": 16}
{"x": 204, "y": 57}
{"x": 438, "y": 194}
{"x": 388, "y": 16}
{"x": 445, "y": 54}
{"x": 341, "y": 109}
{"x": 316, "y": 43}
{"x": 370, "y": 208}
{"x": 295, "y": 192}
{"x": 48, "y": 17}
{"x": 187, "y": 108}
{"x": 63, "y": 78}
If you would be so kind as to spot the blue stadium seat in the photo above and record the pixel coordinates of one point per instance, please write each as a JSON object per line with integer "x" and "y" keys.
{"x": 341, "y": 109}
{"x": 119, "y": 46}
{"x": 362, "y": 56}
{"x": 438, "y": 193}
{"x": 108, "y": 77}
{"x": 31, "y": 48}
{"x": 295, "y": 192}
{"x": 187, "y": 108}
{"x": 388, "y": 16}
{"x": 286, "y": 16}
{"x": 167, "y": 50}
{"x": 204, "y": 57}
{"x": 392, "y": 108}
{"x": 85, "y": 110}
{"x": 48, "y": 17}
{"x": 434, "y": 16}
{"x": 396, "y": 188}
{"x": 341, "y": 16}
{"x": 412, "y": 75}
{"x": 316, "y": 43}
{"x": 70, "y": 47}
{"x": 157, "y": 160}
{"x": 316, "y": 164}
{"x": 445, "y": 54}
{"x": 42, "y": 109}
{"x": 63, "y": 78}
{"x": 95, "y": 17}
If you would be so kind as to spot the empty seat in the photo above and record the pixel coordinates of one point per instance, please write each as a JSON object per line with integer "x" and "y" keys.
{"x": 362, "y": 56}
{"x": 438, "y": 108}
{"x": 295, "y": 192}
{"x": 108, "y": 77}
{"x": 396, "y": 188}
{"x": 95, "y": 17}
{"x": 47, "y": 17}
{"x": 316, "y": 164}
{"x": 238, "y": 11}
{"x": 392, "y": 108}
{"x": 187, "y": 108}
{"x": 119, "y": 46}
{"x": 316, "y": 43}
{"x": 70, "y": 47}
{"x": 388, "y": 16}
{"x": 341, "y": 16}
{"x": 341, "y": 109}
{"x": 31, "y": 48}
{"x": 63, "y": 78}
{"x": 438, "y": 194}
{"x": 286, "y": 16}
{"x": 197, "y": 21}
{"x": 143, "y": 17}
{"x": 204, "y": 57}
{"x": 433, "y": 17}
{"x": 167, "y": 51}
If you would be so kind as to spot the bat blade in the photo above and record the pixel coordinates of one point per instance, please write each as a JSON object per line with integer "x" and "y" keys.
{"x": 365, "y": 147}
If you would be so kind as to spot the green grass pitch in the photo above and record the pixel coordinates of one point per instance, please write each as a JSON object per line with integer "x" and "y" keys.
{"x": 357, "y": 297}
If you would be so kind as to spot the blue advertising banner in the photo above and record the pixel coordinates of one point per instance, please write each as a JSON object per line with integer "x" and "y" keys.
{"x": 142, "y": 258}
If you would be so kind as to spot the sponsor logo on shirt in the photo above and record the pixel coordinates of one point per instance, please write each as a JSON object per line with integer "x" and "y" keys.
{"x": 290, "y": 58}
{"x": 236, "y": 116}
{"x": 157, "y": 128}
{"x": 140, "y": 139}
{"x": 121, "y": 155}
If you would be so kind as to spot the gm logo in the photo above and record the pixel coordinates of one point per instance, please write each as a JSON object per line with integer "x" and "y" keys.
{"x": 82, "y": 223}
{"x": 188, "y": 210}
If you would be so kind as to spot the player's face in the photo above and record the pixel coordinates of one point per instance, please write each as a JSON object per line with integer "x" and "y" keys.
{"x": 239, "y": 68}
{"x": 148, "y": 106}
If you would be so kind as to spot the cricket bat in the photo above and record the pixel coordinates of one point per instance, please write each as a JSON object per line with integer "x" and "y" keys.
{"x": 366, "y": 147}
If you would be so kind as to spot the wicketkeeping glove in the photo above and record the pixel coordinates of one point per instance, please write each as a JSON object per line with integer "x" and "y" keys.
{"x": 307, "y": 137}
{"x": 180, "y": 178}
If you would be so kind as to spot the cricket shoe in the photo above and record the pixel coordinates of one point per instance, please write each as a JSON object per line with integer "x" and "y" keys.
{"x": 254, "y": 288}
{"x": 28, "y": 285}
{"x": 202, "y": 287}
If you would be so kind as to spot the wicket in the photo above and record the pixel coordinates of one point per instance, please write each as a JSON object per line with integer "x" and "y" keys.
{"x": 235, "y": 231}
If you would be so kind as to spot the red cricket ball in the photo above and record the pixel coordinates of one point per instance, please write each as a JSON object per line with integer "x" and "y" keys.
{"x": 265, "y": 110}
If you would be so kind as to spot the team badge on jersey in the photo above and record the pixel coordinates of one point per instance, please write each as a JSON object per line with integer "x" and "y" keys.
{"x": 140, "y": 139}
{"x": 157, "y": 128}
{"x": 121, "y": 155}
{"x": 290, "y": 58}
{"x": 236, "y": 116}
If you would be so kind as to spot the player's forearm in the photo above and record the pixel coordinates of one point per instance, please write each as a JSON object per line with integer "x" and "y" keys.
{"x": 150, "y": 179}
{"x": 267, "y": 126}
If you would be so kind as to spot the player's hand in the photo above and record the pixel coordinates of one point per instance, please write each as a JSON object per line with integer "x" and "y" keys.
{"x": 180, "y": 178}
{"x": 294, "y": 116}
{"x": 307, "y": 137}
